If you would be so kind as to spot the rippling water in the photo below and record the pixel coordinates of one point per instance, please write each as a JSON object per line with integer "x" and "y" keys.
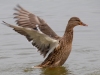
{"x": 17, "y": 55}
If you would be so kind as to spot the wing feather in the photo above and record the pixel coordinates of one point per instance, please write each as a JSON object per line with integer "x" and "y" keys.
{"x": 41, "y": 41}
{"x": 27, "y": 19}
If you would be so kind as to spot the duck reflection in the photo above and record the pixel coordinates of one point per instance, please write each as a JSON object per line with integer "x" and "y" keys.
{"x": 55, "y": 71}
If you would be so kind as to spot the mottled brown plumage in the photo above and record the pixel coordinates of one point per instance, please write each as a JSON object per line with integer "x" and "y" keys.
{"x": 61, "y": 53}
{"x": 58, "y": 49}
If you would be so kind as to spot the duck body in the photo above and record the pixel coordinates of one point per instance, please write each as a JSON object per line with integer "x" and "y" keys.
{"x": 47, "y": 41}
{"x": 60, "y": 53}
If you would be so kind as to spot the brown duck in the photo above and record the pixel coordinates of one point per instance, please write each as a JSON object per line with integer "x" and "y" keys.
{"x": 56, "y": 49}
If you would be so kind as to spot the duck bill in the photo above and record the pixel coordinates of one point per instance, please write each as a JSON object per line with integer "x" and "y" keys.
{"x": 83, "y": 24}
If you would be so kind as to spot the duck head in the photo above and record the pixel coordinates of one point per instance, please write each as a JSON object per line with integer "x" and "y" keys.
{"x": 75, "y": 21}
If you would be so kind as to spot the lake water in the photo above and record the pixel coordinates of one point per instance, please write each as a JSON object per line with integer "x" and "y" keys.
{"x": 17, "y": 55}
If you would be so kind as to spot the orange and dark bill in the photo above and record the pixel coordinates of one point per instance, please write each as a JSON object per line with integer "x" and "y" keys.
{"x": 83, "y": 24}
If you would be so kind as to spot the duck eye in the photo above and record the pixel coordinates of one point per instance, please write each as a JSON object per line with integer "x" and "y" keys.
{"x": 77, "y": 20}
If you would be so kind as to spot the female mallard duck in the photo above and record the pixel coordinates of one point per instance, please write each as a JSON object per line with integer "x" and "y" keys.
{"x": 57, "y": 49}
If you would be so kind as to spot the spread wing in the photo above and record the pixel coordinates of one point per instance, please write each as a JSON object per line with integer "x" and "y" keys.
{"x": 29, "y": 20}
{"x": 43, "y": 42}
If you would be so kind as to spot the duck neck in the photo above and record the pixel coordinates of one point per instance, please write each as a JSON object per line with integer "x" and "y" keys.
{"x": 68, "y": 35}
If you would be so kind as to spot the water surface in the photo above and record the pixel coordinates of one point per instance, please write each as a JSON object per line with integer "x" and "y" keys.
{"x": 17, "y": 55}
